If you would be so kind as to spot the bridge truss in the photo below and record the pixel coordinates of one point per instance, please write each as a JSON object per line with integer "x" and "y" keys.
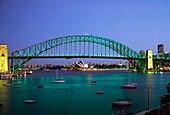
{"x": 77, "y": 46}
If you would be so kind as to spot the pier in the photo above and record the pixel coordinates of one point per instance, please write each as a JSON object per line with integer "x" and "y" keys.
{"x": 161, "y": 110}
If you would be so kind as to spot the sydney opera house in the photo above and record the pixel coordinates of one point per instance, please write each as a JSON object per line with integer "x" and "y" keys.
{"x": 82, "y": 66}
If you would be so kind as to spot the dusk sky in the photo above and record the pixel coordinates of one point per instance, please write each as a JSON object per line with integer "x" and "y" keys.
{"x": 139, "y": 24}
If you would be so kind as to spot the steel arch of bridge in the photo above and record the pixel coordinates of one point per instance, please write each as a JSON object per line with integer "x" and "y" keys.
{"x": 38, "y": 49}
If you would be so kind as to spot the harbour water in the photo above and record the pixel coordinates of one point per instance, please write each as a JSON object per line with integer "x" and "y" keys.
{"x": 77, "y": 97}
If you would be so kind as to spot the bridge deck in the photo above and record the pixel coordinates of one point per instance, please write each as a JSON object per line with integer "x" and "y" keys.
{"x": 69, "y": 57}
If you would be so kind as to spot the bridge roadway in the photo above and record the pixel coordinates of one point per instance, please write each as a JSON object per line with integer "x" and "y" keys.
{"x": 70, "y": 57}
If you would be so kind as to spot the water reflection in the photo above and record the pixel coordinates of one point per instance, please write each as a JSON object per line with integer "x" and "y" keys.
{"x": 5, "y": 97}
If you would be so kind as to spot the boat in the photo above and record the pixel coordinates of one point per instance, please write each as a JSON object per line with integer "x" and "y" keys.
{"x": 5, "y": 76}
{"x": 17, "y": 86}
{"x": 123, "y": 99}
{"x": 29, "y": 72}
{"x": 19, "y": 82}
{"x": 92, "y": 82}
{"x": 58, "y": 80}
{"x": 7, "y": 84}
{"x": 121, "y": 103}
{"x": 40, "y": 86}
{"x": 99, "y": 92}
{"x": 29, "y": 101}
{"x": 130, "y": 86}
{"x": 47, "y": 69}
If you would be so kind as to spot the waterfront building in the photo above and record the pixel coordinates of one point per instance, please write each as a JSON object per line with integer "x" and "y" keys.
{"x": 80, "y": 64}
{"x": 161, "y": 51}
{"x": 167, "y": 55}
{"x": 3, "y": 58}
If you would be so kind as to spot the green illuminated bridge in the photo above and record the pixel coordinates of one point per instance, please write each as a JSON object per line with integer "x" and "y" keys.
{"x": 77, "y": 46}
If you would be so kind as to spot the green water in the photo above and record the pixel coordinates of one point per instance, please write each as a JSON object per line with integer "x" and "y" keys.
{"x": 77, "y": 97}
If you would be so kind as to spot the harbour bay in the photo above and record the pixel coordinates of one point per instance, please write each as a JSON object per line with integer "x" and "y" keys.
{"x": 76, "y": 96}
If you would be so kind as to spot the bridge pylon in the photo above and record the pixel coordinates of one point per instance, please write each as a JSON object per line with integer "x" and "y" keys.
{"x": 4, "y": 59}
{"x": 149, "y": 62}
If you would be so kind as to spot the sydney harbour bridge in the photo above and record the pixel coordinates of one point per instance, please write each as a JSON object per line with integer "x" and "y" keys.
{"x": 81, "y": 46}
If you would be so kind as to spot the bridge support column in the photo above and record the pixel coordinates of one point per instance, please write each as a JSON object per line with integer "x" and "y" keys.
{"x": 143, "y": 64}
{"x": 4, "y": 59}
{"x": 149, "y": 62}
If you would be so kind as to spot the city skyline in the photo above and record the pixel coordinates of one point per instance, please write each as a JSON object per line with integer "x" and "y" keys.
{"x": 140, "y": 25}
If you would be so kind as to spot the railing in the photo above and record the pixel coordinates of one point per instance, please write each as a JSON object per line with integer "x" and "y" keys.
{"x": 161, "y": 110}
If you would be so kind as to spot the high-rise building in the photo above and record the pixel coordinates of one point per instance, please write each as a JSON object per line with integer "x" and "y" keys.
{"x": 160, "y": 50}
{"x": 167, "y": 55}
{"x": 142, "y": 52}
{"x": 3, "y": 58}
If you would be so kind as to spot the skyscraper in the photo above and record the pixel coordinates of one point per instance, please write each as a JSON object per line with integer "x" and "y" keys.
{"x": 160, "y": 50}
